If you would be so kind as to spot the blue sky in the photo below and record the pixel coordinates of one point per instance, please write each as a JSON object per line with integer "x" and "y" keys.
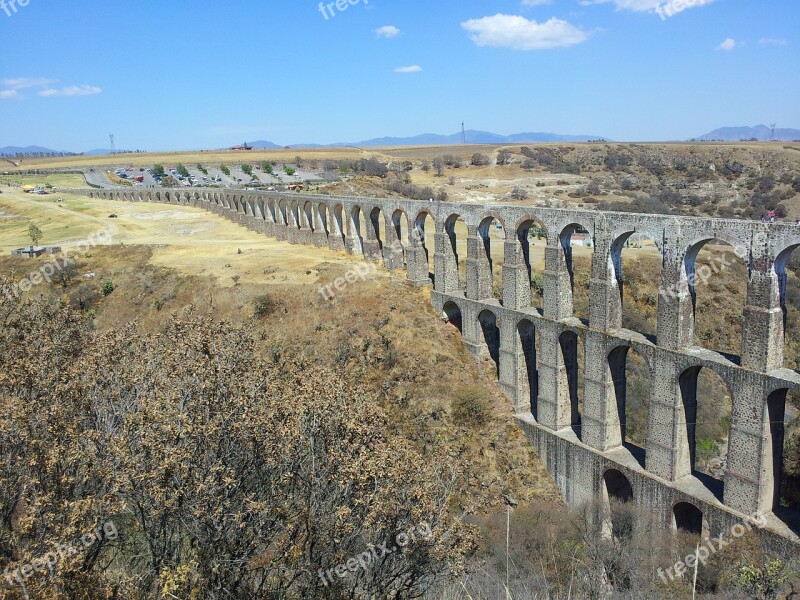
{"x": 189, "y": 75}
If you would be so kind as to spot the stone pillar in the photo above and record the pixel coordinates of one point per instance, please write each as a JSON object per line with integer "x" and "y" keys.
{"x": 605, "y": 302}
{"x": 479, "y": 267}
{"x": 319, "y": 235}
{"x": 749, "y": 476}
{"x": 762, "y": 330}
{"x": 557, "y": 279}
{"x": 371, "y": 245}
{"x": 507, "y": 367}
{"x": 516, "y": 274}
{"x": 675, "y": 328}
{"x": 557, "y": 381}
{"x": 600, "y": 423}
{"x": 445, "y": 265}
{"x": 668, "y": 455}
{"x": 393, "y": 250}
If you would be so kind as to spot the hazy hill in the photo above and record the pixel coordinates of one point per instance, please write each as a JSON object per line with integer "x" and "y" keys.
{"x": 759, "y": 132}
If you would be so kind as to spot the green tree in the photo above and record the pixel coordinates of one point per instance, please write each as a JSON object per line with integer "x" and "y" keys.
{"x": 182, "y": 170}
{"x": 158, "y": 170}
{"x": 225, "y": 170}
{"x": 34, "y": 233}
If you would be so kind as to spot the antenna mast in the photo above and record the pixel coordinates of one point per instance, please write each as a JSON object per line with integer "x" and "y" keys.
{"x": 113, "y": 148}
{"x": 463, "y": 134}
{"x": 772, "y": 128}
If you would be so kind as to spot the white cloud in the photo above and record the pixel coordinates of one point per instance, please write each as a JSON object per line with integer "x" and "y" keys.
{"x": 535, "y": 2}
{"x": 772, "y": 42}
{"x": 662, "y": 7}
{"x": 519, "y": 33}
{"x": 728, "y": 45}
{"x": 9, "y": 94}
{"x": 387, "y": 31}
{"x": 409, "y": 69}
{"x": 72, "y": 90}
{"x": 22, "y": 83}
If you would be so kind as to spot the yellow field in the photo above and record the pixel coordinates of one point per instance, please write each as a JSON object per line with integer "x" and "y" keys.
{"x": 189, "y": 240}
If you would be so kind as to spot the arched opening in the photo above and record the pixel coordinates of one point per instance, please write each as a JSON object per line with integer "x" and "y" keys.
{"x": 637, "y": 267}
{"x": 452, "y": 314}
{"x": 356, "y": 226}
{"x": 787, "y": 268}
{"x": 490, "y": 258}
{"x": 687, "y": 518}
{"x": 308, "y": 216}
{"x": 717, "y": 279}
{"x": 490, "y": 337}
{"x": 283, "y": 217}
{"x": 377, "y": 229}
{"x": 570, "y": 376}
{"x": 631, "y": 376}
{"x": 617, "y": 493}
{"x": 294, "y": 215}
{"x": 322, "y": 211}
{"x": 532, "y": 240}
{"x": 425, "y": 230}
{"x": 783, "y": 456}
{"x": 707, "y": 405}
{"x": 577, "y": 247}
{"x": 401, "y": 236}
{"x": 456, "y": 252}
{"x": 527, "y": 371}
{"x": 337, "y": 223}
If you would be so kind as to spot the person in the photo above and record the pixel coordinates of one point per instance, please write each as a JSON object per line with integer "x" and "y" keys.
{"x": 763, "y": 218}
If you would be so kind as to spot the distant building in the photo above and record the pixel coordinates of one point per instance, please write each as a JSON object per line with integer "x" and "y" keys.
{"x": 244, "y": 146}
{"x": 33, "y": 252}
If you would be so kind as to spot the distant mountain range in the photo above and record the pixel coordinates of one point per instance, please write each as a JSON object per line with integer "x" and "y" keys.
{"x": 12, "y": 150}
{"x": 724, "y": 134}
{"x": 762, "y": 133}
{"x": 434, "y": 139}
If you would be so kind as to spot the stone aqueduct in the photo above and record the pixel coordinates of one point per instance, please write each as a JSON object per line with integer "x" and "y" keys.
{"x": 536, "y": 351}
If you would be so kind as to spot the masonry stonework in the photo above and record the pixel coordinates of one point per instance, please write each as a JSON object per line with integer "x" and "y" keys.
{"x": 577, "y": 424}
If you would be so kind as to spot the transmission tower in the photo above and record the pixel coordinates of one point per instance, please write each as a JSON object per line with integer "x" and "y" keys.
{"x": 772, "y": 129}
{"x": 463, "y": 134}
{"x": 113, "y": 148}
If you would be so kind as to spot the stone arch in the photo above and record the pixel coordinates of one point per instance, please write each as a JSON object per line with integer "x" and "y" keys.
{"x": 630, "y": 242}
{"x": 308, "y": 215}
{"x": 454, "y": 254}
{"x": 487, "y": 265}
{"x": 720, "y": 265}
{"x": 377, "y": 227}
{"x": 489, "y": 329}
{"x": 631, "y": 419}
{"x": 322, "y": 211}
{"x": 451, "y": 313}
{"x": 528, "y": 266}
{"x": 617, "y": 491}
{"x": 401, "y": 232}
{"x": 569, "y": 379}
{"x": 527, "y": 376}
{"x": 780, "y": 270}
{"x": 687, "y": 518}
{"x": 423, "y": 234}
{"x": 699, "y": 423}
{"x": 575, "y": 300}
{"x": 283, "y": 213}
{"x": 355, "y": 237}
